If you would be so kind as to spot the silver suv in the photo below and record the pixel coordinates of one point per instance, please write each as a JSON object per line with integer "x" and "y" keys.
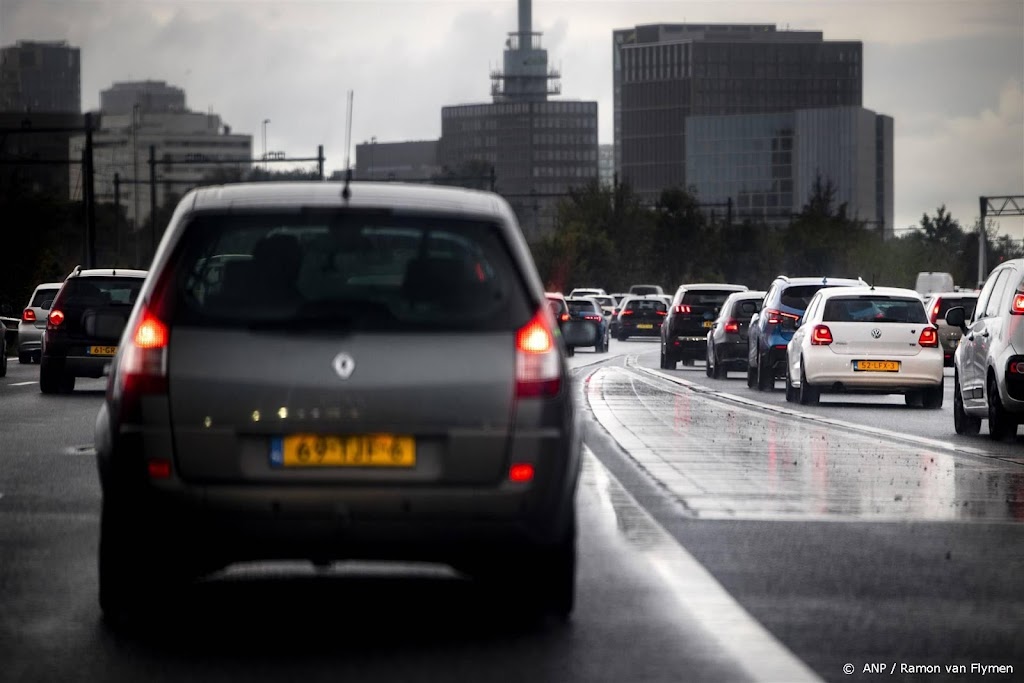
{"x": 989, "y": 362}
{"x": 320, "y": 373}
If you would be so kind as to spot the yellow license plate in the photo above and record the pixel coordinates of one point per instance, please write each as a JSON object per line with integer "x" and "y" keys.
{"x": 645, "y": 326}
{"x": 709, "y": 324}
{"x": 877, "y": 365}
{"x": 369, "y": 450}
{"x": 102, "y": 350}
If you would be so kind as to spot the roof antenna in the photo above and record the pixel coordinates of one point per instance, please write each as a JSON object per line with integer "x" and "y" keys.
{"x": 345, "y": 191}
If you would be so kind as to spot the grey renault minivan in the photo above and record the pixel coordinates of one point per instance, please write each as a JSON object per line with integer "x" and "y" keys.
{"x": 329, "y": 371}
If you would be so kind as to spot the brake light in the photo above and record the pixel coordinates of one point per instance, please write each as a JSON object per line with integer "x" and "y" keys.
{"x": 1017, "y": 308}
{"x": 774, "y": 317}
{"x": 935, "y": 311}
{"x": 159, "y": 468}
{"x": 1015, "y": 367}
{"x": 142, "y": 369}
{"x": 627, "y": 312}
{"x": 29, "y": 315}
{"x": 55, "y": 318}
{"x": 683, "y": 308}
{"x": 732, "y": 325}
{"x": 564, "y": 317}
{"x": 821, "y": 336}
{"x": 538, "y": 366}
{"x": 520, "y": 472}
{"x": 929, "y": 337}
{"x": 662, "y": 312}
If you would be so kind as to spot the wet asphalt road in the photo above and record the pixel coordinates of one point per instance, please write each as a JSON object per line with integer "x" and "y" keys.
{"x": 846, "y": 545}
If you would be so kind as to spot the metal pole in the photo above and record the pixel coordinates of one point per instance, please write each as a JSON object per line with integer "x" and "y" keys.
{"x": 265, "y": 122}
{"x": 320, "y": 161}
{"x": 152, "y": 198}
{"x": 136, "y": 116}
{"x": 983, "y": 201}
{"x": 117, "y": 219}
{"x": 89, "y": 194}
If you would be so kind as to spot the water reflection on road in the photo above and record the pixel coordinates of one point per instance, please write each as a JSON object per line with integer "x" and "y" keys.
{"x": 725, "y": 461}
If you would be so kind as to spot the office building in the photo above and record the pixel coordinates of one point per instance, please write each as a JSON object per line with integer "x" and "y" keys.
{"x": 606, "y": 165}
{"x": 40, "y": 77}
{"x": 538, "y": 148}
{"x": 665, "y": 73}
{"x": 151, "y": 96}
{"x": 415, "y": 160}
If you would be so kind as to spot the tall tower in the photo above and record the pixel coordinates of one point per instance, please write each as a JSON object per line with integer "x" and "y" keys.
{"x": 526, "y": 77}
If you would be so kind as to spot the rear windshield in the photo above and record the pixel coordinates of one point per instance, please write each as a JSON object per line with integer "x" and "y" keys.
{"x": 92, "y": 292}
{"x": 744, "y": 309}
{"x": 339, "y": 269}
{"x": 557, "y": 306}
{"x": 706, "y": 297}
{"x": 798, "y": 296}
{"x": 581, "y": 307}
{"x": 874, "y": 309}
{"x": 646, "y": 305}
{"x": 967, "y": 302}
{"x": 642, "y": 290}
{"x": 43, "y": 298}
{"x": 604, "y": 300}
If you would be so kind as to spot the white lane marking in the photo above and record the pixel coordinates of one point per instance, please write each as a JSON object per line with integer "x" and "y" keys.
{"x": 877, "y": 431}
{"x": 749, "y": 644}
{"x": 22, "y": 384}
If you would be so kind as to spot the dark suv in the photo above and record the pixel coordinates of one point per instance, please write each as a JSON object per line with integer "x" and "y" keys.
{"x": 691, "y": 316}
{"x": 328, "y": 371}
{"x": 84, "y": 324}
{"x": 773, "y": 327}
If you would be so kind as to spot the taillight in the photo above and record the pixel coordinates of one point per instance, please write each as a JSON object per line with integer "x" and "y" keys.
{"x": 564, "y": 317}
{"x": 929, "y": 337}
{"x": 662, "y": 312}
{"x": 774, "y": 317}
{"x": 627, "y": 312}
{"x": 821, "y": 335}
{"x": 520, "y": 472}
{"x": 935, "y": 311}
{"x": 682, "y": 308}
{"x": 55, "y": 318}
{"x": 538, "y": 366}
{"x": 1017, "y": 308}
{"x": 1015, "y": 367}
{"x": 732, "y": 326}
{"x": 142, "y": 368}
{"x": 29, "y": 315}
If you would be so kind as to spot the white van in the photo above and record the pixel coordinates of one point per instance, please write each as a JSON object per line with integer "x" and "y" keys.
{"x": 929, "y": 283}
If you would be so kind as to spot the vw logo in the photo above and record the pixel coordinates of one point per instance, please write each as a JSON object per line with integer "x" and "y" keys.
{"x": 876, "y": 333}
{"x": 344, "y": 365}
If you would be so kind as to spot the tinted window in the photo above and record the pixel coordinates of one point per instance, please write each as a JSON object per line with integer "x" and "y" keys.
{"x": 557, "y": 306}
{"x": 706, "y": 297}
{"x": 798, "y": 296}
{"x": 874, "y": 309}
{"x": 643, "y": 291}
{"x": 605, "y": 300}
{"x": 90, "y": 292}
{"x": 948, "y": 302}
{"x": 582, "y": 307}
{"x": 43, "y": 298}
{"x": 745, "y": 310}
{"x": 646, "y": 305}
{"x": 348, "y": 269}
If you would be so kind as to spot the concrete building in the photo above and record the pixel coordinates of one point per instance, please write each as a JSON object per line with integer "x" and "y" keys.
{"x": 191, "y": 140}
{"x": 767, "y": 164}
{"x": 151, "y": 96}
{"x": 665, "y": 73}
{"x": 606, "y": 165}
{"x": 40, "y": 77}
{"x": 414, "y": 160}
{"x": 538, "y": 148}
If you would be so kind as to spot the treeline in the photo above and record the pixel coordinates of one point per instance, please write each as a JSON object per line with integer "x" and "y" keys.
{"x": 607, "y": 237}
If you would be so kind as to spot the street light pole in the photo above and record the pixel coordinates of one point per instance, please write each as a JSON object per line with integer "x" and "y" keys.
{"x": 136, "y": 114}
{"x": 265, "y": 122}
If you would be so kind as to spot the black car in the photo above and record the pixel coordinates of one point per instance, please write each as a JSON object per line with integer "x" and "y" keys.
{"x": 560, "y": 311}
{"x": 693, "y": 312}
{"x": 587, "y": 325}
{"x": 727, "y": 340}
{"x": 85, "y": 324}
{"x": 641, "y": 317}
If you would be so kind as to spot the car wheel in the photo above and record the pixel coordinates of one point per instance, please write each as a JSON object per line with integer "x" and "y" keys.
{"x": 666, "y": 361}
{"x": 914, "y": 399}
{"x": 3, "y": 360}
{"x": 808, "y": 395}
{"x": 709, "y": 368}
{"x": 717, "y": 371}
{"x": 25, "y": 358}
{"x": 791, "y": 391}
{"x": 622, "y": 337}
{"x": 932, "y": 398}
{"x": 765, "y": 376}
{"x": 1000, "y": 425}
{"x": 570, "y": 351}
{"x": 751, "y": 376}
{"x": 49, "y": 380}
{"x": 962, "y": 422}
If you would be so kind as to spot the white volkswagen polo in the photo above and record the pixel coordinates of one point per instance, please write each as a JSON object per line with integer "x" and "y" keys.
{"x": 874, "y": 340}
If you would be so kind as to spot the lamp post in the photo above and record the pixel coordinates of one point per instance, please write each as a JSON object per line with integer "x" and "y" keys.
{"x": 136, "y": 115}
{"x": 369, "y": 171}
{"x": 265, "y": 122}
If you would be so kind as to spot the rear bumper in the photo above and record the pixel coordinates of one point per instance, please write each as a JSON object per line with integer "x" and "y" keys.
{"x": 732, "y": 353}
{"x": 81, "y": 366}
{"x": 30, "y": 339}
{"x": 836, "y": 372}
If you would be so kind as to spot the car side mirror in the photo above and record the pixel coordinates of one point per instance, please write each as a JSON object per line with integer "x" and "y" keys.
{"x": 957, "y": 317}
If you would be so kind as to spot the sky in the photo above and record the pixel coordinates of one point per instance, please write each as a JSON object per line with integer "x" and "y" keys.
{"x": 950, "y": 72}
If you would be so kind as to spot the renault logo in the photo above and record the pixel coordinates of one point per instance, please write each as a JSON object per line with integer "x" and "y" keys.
{"x": 344, "y": 365}
{"x": 876, "y": 333}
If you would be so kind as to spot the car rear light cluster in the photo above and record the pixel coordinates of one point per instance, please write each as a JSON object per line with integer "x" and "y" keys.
{"x": 821, "y": 335}
{"x": 1015, "y": 367}
{"x": 564, "y": 317}
{"x": 662, "y": 312}
{"x": 776, "y": 317}
{"x": 683, "y": 308}
{"x": 929, "y": 338}
{"x": 627, "y": 312}
{"x": 1017, "y": 307}
{"x": 732, "y": 325}
{"x": 538, "y": 364}
{"x": 55, "y": 319}
{"x": 28, "y": 315}
{"x": 142, "y": 369}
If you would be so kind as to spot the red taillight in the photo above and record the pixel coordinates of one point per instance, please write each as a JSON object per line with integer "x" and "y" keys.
{"x": 564, "y": 317}
{"x": 538, "y": 367}
{"x": 55, "y": 318}
{"x": 935, "y": 311}
{"x": 159, "y": 468}
{"x": 1015, "y": 367}
{"x": 29, "y": 315}
{"x": 821, "y": 335}
{"x": 142, "y": 368}
{"x": 732, "y": 326}
{"x": 520, "y": 472}
{"x": 1017, "y": 308}
{"x": 627, "y": 312}
{"x": 662, "y": 312}
{"x": 774, "y": 317}
{"x": 929, "y": 337}
{"x": 682, "y": 308}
